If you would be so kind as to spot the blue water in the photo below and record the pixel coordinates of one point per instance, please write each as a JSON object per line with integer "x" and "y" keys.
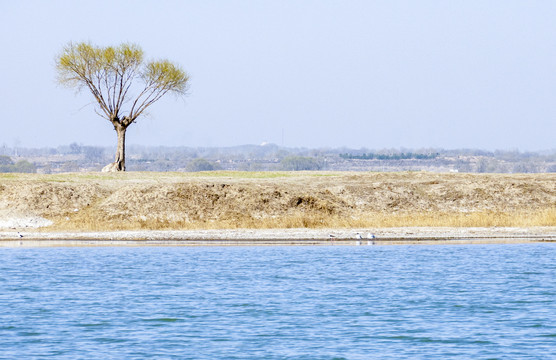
{"x": 367, "y": 302}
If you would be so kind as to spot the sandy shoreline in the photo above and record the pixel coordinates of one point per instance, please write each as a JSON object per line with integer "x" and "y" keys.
{"x": 248, "y": 237}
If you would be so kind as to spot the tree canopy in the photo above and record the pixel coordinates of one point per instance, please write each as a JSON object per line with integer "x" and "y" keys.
{"x": 110, "y": 72}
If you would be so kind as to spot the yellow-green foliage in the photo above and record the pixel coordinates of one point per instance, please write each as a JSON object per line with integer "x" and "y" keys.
{"x": 109, "y": 73}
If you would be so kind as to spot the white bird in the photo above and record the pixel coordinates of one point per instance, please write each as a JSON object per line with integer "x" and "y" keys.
{"x": 371, "y": 236}
{"x": 331, "y": 236}
{"x": 358, "y": 236}
{"x": 19, "y": 234}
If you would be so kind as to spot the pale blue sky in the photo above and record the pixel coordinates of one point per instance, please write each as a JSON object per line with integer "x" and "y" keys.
{"x": 375, "y": 74}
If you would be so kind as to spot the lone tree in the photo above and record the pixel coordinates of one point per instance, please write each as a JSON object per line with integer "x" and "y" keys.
{"x": 123, "y": 85}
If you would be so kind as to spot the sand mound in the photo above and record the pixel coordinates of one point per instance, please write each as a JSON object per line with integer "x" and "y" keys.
{"x": 178, "y": 200}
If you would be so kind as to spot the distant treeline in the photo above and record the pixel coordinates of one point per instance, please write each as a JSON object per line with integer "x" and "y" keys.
{"x": 400, "y": 156}
{"x": 22, "y": 166}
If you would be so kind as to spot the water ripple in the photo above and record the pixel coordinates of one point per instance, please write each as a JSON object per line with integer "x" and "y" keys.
{"x": 412, "y": 302}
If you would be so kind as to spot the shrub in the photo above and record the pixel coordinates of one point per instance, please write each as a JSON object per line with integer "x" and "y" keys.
{"x": 6, "y": 160}
{"x": 22, "y": 166}
{"x": 201, "y": 165}
{"x": 299, "y": 163}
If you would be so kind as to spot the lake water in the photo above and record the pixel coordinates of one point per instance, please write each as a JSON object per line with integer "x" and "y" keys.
{"x": 366, "y": 302}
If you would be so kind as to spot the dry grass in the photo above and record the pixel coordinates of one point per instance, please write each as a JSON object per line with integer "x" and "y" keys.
{"x": 545, "y": 217}
{"x": 228, "y": 200}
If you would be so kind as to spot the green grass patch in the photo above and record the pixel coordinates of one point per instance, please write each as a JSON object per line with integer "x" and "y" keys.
{"x": 146, "y": 175}
{"x": 9, "y": 176}
{"x": 243, "y": 174}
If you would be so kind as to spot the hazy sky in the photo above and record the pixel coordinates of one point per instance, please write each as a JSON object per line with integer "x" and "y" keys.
{"x": 375, "y": 74}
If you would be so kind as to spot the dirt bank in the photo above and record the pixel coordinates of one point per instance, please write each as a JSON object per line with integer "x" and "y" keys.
{"x": 155, "y": 201}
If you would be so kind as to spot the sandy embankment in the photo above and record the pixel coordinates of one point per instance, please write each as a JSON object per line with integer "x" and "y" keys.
{"x": 158, "y": 208}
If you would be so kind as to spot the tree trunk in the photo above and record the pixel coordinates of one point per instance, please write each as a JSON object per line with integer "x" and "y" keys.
{"x": 119, "y": 161}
